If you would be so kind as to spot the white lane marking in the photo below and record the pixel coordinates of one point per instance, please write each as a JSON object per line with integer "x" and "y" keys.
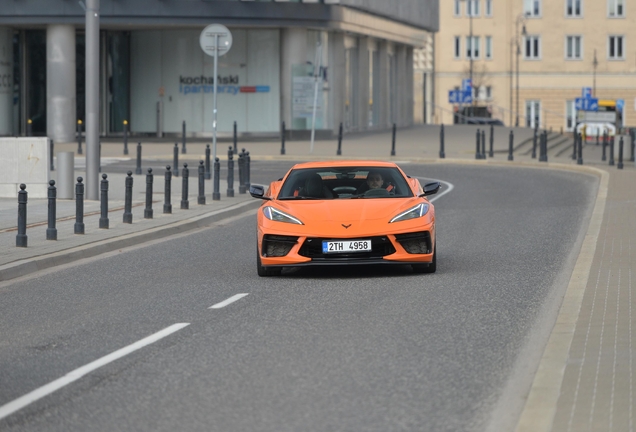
{"x": 228, "y": 301}
{"x": 29, "y": 398}
{"x": 449, "y": 187}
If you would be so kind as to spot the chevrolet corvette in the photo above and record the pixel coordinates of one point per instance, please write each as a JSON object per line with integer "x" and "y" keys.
{"x": 344, "y": 213}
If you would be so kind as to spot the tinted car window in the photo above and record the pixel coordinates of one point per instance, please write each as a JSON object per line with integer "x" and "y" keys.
{"x": 345, "y": 183}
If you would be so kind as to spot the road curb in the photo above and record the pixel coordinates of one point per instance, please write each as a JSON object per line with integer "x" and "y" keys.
{"x": 540, "y": 407}
{"x": 31, "y": 265}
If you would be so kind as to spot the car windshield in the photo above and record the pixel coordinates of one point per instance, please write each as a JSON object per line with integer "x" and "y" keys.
{"x": 345, "y": 183}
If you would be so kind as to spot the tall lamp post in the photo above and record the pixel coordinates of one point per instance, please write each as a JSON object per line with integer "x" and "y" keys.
{"x": 471, "y": 12}
{"x": 595, "y": 65}
{"x": 521, "y": 19}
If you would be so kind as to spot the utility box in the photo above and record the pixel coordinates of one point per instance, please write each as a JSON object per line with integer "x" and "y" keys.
{"x": 24, "y": 160}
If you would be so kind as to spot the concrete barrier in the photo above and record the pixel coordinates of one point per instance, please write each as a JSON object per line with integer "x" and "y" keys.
{"x": 24, "y": 160}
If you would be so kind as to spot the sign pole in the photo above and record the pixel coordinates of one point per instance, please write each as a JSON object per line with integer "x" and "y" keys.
{"x": 313, "y": 115}
{"x": 216, "y": 58}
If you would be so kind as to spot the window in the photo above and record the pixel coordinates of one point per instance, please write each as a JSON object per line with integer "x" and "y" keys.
{"x": 616, "y": 8}
{"x": 615, "y": 47}
{"x": 488, "y": 12}
{"x": 573, "y": 8}
{"x": 489, "y": 47}
{"x": 472, "y": 49}
{"x": 532, "y": 47}
{"x": 472, "y": 8}
{"x": 573, "y": 48}
{"x": 533, "y": 113}
{"x": 532, "y": 7}
{"x": 570, "y": 115}
{"x": 457, "y": 11}
{"x": 488, "y": 92}
{"x": 457, "y": 46}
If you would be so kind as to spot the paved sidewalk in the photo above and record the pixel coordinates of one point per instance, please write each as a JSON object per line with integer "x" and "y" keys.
{"x": 585, "y": 380}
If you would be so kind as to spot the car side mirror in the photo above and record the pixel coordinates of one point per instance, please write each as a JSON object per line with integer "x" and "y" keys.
{"x": 258, "y": 191}
{"x": 431, "y": 188}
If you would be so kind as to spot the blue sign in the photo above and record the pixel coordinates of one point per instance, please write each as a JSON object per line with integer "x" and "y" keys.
{"x": 467, "y": 84}
{"x": 459, "y": 97}
{"x": 587, "y": 92}
{"x": 620, "y": 104}
{"x": 586, "y": 104}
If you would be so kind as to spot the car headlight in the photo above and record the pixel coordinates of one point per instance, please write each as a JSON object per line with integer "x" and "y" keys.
{"x": 274, "y": 214}
{"x": 412, "y": 213}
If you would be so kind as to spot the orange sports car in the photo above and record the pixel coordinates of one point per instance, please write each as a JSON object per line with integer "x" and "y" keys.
{"x": 345, "y": 212}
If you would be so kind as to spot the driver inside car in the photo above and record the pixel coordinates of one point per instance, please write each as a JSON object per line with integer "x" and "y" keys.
{"x": 374, "y": 181}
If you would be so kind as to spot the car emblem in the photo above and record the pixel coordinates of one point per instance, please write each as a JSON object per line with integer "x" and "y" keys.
{"x": 346, "y": 226}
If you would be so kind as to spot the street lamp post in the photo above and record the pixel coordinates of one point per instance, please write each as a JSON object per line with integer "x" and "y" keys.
{"x": 471, "y": 12}
{"x": 595, "y": 64}
{"x": 520, "y": 20}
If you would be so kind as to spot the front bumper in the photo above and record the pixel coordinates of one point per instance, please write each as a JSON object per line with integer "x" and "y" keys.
{"x": 297, "y": 251}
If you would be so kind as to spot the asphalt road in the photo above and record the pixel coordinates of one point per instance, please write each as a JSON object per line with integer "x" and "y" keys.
{"x": 337, "y": 349}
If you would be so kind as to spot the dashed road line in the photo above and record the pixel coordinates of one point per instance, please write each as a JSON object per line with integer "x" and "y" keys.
{"x": 228, "y": 301}
{"x": 39, "y": 393}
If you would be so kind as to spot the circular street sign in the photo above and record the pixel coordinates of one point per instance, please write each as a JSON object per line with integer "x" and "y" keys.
{"x": 208, "y": 39}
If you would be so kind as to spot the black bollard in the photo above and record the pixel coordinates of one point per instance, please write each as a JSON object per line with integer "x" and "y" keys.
{"x": 167, "y": 206}
{"x": 442, "y": 154}
{"x": 247, "y": 170}
{"x": 201, "y": 197}
{"x": 51, "y": 231}
{"x": 477, "y": 153}
{"x": 208, "y": 175}
{"x": 483, "y": 144}
{"x": 282, "y": 139}
{"x": 29, "y": 129}
{"x": 230, "y": 175}
{"x": 21, "y": 238}
{"x": 393, "y": 141}
{"x": 183, "y": 137}
{"x": 611, "y": 150}
{"x": 185, "y": 204}
{"x": 633, "y": 145}
{"x": 78, "y": 228}
{"x": 216, "y": 194}
{"x": 128, "y": 217}
{"x": 51, "y": 150}
{"x": 543, "y": 151}
{"x": 235, "y": 138}
{"x": 510, "y": 145}
{"x": 138, "y": 169}
{"x": 339, "y": 151}
{"x": 175, "y": 160}
{"x": 491, "y": 152}
{"x": 534, "y": 144}
{"x": 620, "y": 154}
{"x": 103, "y": 220}
{"x": 148, "y": 210}
{"x": 241, "y": 166}
{"x": 574, "y": 144}
{"x": 604, "y": 156}
{"x": 79, "y": 137}
{"x": 125, "y": 137}
{"x": 579, "y": 160}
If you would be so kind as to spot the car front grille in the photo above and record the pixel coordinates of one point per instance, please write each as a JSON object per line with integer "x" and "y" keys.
{"x": 415, "y": 243}
{"x": 380, "y": 247}
{"x": 277, "y": 245}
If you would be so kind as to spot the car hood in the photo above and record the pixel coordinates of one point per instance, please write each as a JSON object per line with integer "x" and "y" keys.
{"x": 362, "y": 215}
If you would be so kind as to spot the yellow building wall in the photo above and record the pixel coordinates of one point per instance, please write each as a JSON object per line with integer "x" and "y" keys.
{"x": 552, "y": 79}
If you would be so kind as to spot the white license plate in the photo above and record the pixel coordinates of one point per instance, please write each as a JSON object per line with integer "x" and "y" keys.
{"x": 346, "y": 246}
